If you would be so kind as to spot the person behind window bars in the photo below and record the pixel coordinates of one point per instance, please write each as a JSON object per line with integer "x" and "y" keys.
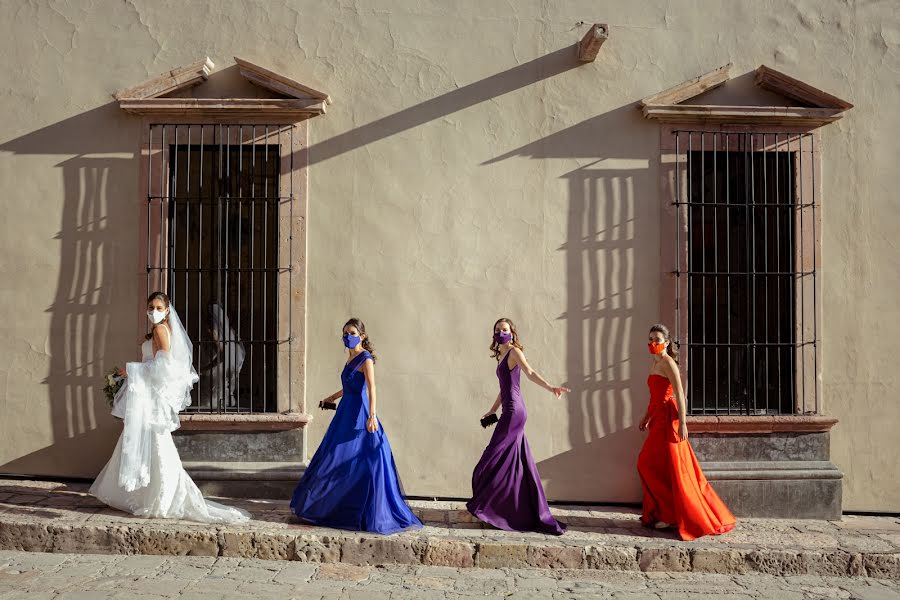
{"x": 218, "y": 377}
{"x": 676, "y": 493}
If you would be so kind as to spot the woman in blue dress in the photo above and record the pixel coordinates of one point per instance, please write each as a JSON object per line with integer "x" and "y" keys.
{"x": 351, "y": 482}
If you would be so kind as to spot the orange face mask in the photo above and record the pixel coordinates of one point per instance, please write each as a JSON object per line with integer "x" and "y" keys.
{"x": 656, "y": 347}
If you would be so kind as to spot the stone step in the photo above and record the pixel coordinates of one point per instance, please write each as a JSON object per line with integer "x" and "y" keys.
{"x": 808, "y": 489}
{"x": 61, "y": 517}
{"x": 430, "y": 548}
{"x": 241, "y": 479}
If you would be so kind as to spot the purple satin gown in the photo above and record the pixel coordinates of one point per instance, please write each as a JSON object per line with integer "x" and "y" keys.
{"x": 506, "y": 487}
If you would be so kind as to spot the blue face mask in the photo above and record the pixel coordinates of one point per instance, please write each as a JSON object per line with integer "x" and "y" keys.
{"x": 351, "y": 341}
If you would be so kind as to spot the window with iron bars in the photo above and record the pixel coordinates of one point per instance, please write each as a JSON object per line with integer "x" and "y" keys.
{"x": 749, "y": 216}
{"x": 216, "y": 200}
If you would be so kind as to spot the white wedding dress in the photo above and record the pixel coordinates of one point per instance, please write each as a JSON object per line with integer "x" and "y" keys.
{"x": 145, "y": 476}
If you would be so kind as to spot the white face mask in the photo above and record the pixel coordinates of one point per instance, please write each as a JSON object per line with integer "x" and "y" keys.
{"x": 156, "y": 316}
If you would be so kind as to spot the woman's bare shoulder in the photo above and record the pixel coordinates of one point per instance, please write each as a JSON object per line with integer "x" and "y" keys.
{"x": 161, "y": 334}
{"x": 669, "y": 364}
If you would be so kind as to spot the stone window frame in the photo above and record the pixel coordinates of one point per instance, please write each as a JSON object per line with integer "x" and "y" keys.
{"x": 150, "y": 102}
{"x": 819, "y": 108}
{"x": 807, "y": 250}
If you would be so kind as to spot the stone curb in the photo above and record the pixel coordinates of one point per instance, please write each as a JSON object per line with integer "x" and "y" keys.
{"x": 448, "y": 552}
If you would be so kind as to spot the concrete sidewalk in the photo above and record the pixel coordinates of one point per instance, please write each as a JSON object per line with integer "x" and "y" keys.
{"x": 40, "y": 516}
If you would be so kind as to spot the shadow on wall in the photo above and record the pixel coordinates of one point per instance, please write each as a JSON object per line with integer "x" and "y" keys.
{"x": 92, "y": 320}
{"x": 92, "y": 315}
{"x": 609, "y": 277}
{"x": 93, "y": 323}
{"x": 611, "y": 282}
{"x": 529, "y": 73}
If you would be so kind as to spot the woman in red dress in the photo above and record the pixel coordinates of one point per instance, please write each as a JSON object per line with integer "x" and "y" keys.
{"x": 676, "y": 493}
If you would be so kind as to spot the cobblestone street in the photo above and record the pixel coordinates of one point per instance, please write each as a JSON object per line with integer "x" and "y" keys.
{"x": 38, "y": 576}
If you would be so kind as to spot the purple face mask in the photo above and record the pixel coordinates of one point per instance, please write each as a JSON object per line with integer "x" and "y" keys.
{"x": 502, "y": 337}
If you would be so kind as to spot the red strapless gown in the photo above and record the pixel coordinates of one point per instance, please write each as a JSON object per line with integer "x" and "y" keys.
{"x": 675, "y": 489}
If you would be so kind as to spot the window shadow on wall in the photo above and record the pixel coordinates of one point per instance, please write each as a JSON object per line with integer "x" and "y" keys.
{"x": 612, "y": 274}
{"x": 101, "y": 275}
{"x": 92, "y": 323}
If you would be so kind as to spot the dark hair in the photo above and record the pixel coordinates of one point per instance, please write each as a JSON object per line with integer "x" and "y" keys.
{"x": 495, "y": 345}
{"x": 157, "y": 296}
{"x": 361, "y": 327}
{"x": 671, "y": 350}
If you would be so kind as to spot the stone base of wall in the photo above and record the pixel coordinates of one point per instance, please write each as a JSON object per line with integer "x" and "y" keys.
{"x": 775, "y": 475}
{"x": 779, "y": 474}
{"x": 241, "y": 446}
{"x": 243, "y": 464}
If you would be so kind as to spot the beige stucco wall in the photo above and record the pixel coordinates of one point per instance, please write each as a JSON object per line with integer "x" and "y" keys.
{"x": 468, "y": 169}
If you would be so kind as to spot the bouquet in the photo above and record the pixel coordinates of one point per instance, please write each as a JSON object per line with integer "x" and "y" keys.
{"x": 114, "y": 383}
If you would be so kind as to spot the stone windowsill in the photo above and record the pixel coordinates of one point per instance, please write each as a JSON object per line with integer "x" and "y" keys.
{"x": 762, "y": 424}
{"x": 257, "y": 422}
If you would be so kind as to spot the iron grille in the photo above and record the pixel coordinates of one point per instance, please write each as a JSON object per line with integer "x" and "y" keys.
{"x": 749, "y": 215}
{"x": 214, "y": 207}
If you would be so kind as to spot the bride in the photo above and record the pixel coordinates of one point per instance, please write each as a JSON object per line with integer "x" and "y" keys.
{"x": 145, "y": 476}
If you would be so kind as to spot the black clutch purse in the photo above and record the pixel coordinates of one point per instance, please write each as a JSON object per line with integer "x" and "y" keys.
{"x": 489, "y": 420}
{"x": 326, "y": 405}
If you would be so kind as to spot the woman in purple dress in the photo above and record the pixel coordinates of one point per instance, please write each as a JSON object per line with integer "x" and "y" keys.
{"x": 506, "y": 486}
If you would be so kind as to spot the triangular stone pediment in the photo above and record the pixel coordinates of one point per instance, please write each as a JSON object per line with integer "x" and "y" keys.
{"x": 785, "y": 85}
{"x": 772, "y": 98}
{"x": 741, "y": 91}
{"x": 169, "y": 94}
{"x": 690, "y": 88}
{"x": 169, "y": 82}
{"x": 278, "y": 83}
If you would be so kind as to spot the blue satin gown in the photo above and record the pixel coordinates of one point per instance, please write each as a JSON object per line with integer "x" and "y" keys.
{"x": 351, "y": 482}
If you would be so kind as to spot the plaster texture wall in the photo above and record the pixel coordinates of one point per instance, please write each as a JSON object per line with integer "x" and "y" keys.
{"x": 469, "y": 168}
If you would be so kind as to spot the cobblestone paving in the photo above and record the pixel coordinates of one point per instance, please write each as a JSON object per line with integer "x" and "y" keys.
{"x": 41, "y": 576}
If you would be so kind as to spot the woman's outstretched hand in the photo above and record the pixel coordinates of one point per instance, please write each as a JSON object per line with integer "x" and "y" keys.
{"x": 372, "y": 424}
{"x": 559, "y": 391}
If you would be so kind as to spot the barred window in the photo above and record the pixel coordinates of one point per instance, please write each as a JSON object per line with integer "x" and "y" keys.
{"x": 746, "y": 289}
{"x": 216, "y": 204}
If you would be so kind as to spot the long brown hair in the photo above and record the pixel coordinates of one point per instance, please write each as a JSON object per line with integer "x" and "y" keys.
{"x": 157, "y": 296}
{"x": 671, "y": 350}
{"x": 495, "y": 345}
{"x": 361, "y": 328}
